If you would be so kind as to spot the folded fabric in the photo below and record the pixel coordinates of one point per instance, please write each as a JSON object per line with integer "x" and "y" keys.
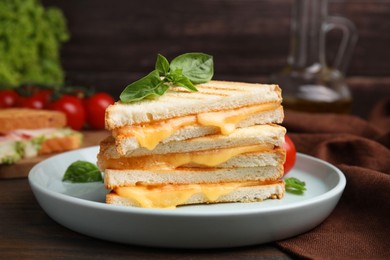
{"x": 359, "y": 227}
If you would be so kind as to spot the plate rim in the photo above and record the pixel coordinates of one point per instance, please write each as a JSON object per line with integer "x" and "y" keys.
{"x": 339, "y": 187}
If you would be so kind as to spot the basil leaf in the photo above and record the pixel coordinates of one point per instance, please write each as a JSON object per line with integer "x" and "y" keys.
{"x": 185, "y": 71}
{"x": 162, "y": 65}
{"x": 160, "y": 89}
{"x": 294, "y": 185}
{"x": 177, "y": 78}
{"x": 82, "y": 171}
{"x": 172, "y": 76}
{"x": 186, "y": 83}
{"x": 197, "y": 67}
{"x": 147, "y": 87}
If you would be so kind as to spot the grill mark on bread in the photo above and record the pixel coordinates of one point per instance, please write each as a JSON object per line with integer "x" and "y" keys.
{"x": 202, "y": 95}
{"x": 197, "y": 95}
{"x": 224, "y": 88}
{"x": 211, "y": 89}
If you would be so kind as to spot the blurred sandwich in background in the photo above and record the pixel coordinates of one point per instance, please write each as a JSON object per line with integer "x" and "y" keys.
{"x": 26, "y": 133}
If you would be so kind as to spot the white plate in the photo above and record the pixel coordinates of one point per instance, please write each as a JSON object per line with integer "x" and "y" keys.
{"x": 81, "y": 207}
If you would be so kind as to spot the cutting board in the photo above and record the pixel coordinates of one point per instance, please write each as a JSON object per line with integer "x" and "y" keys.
{"x": 22, "y": 167}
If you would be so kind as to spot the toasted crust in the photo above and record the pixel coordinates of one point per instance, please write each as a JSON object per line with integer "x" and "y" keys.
{"x": 177, "y": 102}
{"x": 22, "y": 118}
{"x": 120, "y": 178}
{"x": 60, "y": 144}
{"x": 125, "y": 142}
{"x": 241, "y": 194}
{"x": 251, "y": 159}
{"x": 257, "y": 134}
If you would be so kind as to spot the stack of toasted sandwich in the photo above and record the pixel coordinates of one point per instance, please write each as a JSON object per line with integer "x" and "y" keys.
{"x": 220, "y": 144}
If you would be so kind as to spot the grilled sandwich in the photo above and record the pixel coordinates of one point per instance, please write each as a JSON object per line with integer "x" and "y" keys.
{"x": 220, "y": 144}
{"x": 26, "y": 133}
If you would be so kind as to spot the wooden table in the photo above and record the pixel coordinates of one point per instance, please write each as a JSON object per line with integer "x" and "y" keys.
{"x": 26, "y": 231}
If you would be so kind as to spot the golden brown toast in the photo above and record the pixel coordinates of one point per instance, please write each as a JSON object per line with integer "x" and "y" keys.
{"x": 60, "y": 144}
{"x": 24, "y": 118}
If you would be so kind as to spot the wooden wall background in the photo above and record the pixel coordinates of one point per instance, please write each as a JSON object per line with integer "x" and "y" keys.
{"x": 116, "y": 42}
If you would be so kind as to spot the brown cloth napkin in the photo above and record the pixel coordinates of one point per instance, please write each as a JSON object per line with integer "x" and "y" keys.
{"x": 359, "y": 227}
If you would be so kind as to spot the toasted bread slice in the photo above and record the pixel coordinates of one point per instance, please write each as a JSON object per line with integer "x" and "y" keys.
{"x": 23, "y": 118}
{"x": 178, "y": 195}
{"x": 120, "y": 178}
{"x": 127, "y": 141}
{"x": 61, "y": 144}
{"x": 270, "y": 135}
{"x": 177, "y": 102}
{"x": 232, "y": 158}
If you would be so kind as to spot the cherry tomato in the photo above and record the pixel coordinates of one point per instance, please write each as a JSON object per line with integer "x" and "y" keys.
{"x": 8, "y": 98}
{"x": 95, "y": 108}
{"x": 291, "y": 154}
{"x": 44, "y": 96}
{"x": 31, "y": 102}
{"x": 73, "y": 108}
{"x": 38, "y": 100}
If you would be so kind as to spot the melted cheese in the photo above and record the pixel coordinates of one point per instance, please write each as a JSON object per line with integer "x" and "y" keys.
{"x": 228, "y": 120}
{"x": 169, "y": 196}
{"x": 208, "y": 158}
{"x": 149, "y": 135}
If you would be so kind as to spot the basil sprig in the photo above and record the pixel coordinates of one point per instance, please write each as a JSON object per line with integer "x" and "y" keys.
{"x": 294, "y": 185}
{"x": 82, "y": 171}
{"x": 184, "y": 70}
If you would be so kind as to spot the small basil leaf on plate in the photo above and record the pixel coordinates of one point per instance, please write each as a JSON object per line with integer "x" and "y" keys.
{"x": 81, "y": 172}
{"x": 294, "y": 185}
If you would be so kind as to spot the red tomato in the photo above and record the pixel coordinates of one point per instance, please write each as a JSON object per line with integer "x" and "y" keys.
{"x": 291, "y": 154}
{"x": 8, "y": 98}
{"x": 44, "y": 96}
{"x": 95, "y": 108}
{"x": 73, "y": 108}
{"x": 38, "y": 100}
{"x": 31, "y": 102}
